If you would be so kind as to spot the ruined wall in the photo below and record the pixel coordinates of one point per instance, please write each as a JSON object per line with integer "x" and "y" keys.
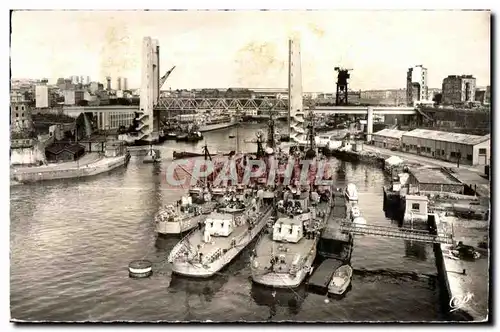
{"x": 470, "y": 121}
{"x": 27, "y": 152}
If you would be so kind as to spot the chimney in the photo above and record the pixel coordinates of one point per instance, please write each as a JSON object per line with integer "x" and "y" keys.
{"x": 108, "y": 85}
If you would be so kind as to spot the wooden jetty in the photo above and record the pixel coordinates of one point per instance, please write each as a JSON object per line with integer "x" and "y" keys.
{"x": 319, "y": 280}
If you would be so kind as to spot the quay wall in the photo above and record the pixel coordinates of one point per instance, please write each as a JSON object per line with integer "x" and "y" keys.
{"x": 40, "y": 174}
{"x": 445, "y": 292}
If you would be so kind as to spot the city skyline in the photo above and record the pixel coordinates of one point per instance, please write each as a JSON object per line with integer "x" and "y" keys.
{"x": 379, "y": 45}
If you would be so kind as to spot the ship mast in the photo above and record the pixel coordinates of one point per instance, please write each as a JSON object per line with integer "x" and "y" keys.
{"x": 311, "y": 135}
{"x": 207, "y": 156}
{"x": 237, "y": 138}
{"x": 271, "y": 139}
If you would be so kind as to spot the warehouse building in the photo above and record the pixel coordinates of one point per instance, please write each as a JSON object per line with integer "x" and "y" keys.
{"x": 388, "y": 138}
{"x": 451, "y": 147}
{"x": 433, "y": 179}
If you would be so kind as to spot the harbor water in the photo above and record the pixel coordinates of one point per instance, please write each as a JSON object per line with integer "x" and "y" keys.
{"x": 71, "y": 243}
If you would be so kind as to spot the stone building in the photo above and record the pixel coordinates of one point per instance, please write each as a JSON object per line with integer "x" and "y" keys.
{"x": 459, "y": 89}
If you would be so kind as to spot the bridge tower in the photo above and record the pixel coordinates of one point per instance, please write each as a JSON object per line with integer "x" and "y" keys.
{"x": 342, "y": 85}
{"x": 150, "y": 90}
{"x": 295, "y": 102}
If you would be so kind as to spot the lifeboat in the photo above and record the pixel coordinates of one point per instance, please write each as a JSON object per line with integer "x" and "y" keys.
{"x": 355, "y": 212}
{"x": 351, "y": 192}
{"x": 359, "y": 221}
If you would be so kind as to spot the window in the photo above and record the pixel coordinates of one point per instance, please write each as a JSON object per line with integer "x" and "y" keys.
{"x": 442, "y": 152}
{"x": 415, "y": 206}
{"x": 453, "y": 154}
{"x": 17, "y": 115}
{"x": 22, "y": 115}
{"x": 482, "y": 151}
{"x": 17, "y": 108}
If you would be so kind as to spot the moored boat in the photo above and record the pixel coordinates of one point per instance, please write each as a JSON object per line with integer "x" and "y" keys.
{"x": 355, "y": 212}
{"x": 185, "y": 154}
{"x": 283, "y": 257}
{"x": 184, "y": 215}
{"x": 153, "y": 156}
{"x": 341, "y": 279}
{"x": 225, "y": 232}
{"x": 351, "y": 192}
{"x": 359, "y": 221}
{"x": 192, "y": 136}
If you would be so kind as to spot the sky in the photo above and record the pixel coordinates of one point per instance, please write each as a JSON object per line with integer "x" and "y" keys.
{"x": 223, "y": 49}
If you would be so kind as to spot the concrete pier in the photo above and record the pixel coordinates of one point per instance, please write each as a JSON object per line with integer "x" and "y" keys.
{"x": 464, "y": 295}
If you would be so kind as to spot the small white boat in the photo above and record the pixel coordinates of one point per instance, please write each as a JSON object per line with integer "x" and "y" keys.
{"x": 153, "y": 156}
{"x": 355, "y": 212}
{"x": 341, "y": 279}
{"x": 359, "y": 221}
{"x": 351, "y": 192}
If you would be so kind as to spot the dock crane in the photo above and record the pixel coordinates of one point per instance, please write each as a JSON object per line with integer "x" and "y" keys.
{"x": 342, "y": 85}
{"x": 164, "y": 77}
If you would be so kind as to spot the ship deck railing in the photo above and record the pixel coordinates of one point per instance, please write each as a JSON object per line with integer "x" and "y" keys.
{"x": 396, "y": 232}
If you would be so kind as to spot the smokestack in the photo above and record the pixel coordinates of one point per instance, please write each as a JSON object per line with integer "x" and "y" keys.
{"x": 119, "y": 83}
{"x": 108, "y": 85}
{"x": 125, "y": 83}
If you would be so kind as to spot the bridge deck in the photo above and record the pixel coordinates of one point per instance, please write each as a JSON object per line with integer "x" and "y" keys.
{"x": 265, "y": 104}
{"x": 395, "y": 232}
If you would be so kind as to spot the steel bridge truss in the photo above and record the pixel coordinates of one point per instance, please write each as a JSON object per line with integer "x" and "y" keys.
{"x": 396, "y": 232}
{"x": 243, "y": 104}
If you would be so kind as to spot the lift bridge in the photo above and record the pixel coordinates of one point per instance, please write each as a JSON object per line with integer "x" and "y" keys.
{"x": 395, "y": 232}
{"x": 225, "y": 104}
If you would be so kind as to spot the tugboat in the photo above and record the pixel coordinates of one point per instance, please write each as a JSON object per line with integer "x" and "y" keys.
{"x": 224, "y": 234}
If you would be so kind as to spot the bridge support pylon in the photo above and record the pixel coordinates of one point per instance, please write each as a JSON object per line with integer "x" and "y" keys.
{"x": 297, "y": 128}
{"x": 369, "y": 125}
{"x": 149, "y": 89}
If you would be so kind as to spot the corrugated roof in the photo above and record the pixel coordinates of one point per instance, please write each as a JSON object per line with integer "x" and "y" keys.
{"x": 433, "y": 176}
{"x": 444, "y": 136}
{"x": 57, "y": 148}
{"x": 392, "y": 133}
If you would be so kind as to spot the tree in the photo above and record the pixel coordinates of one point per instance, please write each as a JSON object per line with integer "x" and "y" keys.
{"x": 438, "y": 98}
